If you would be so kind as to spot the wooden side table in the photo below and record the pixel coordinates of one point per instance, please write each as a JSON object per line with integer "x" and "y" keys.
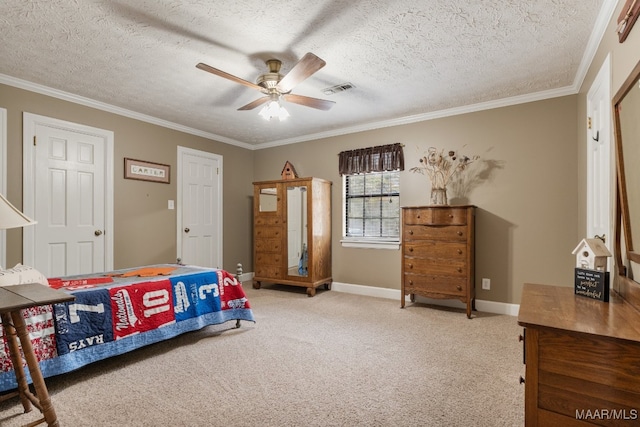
{"x": 13, "y": 299}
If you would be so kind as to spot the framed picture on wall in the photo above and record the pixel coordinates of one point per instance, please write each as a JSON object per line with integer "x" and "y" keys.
{"x": 146, "y": 171}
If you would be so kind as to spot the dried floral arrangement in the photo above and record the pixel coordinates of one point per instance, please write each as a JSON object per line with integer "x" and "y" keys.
{"x": 440, "y": 168}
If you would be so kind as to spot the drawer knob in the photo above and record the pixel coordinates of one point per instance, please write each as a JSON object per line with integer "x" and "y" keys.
{"x": 410, "y": 265}
{"x": 459, "y": 251}
{"x": 411, "y": 232}
{"x": 410, "y": 249}
{"x": 521, "y": 380}
{"x": 460, "y": 233}
{"x": 459, "y": 269}
{"x": 418, "y": 216}
{"x": 459, "y": 287}
{"x": 450, "y": 216}
{"x": 411, "y": 282}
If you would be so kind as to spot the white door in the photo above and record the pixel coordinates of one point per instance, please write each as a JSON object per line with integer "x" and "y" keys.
{"x": 599, "y": 158}
{"x": 199, "y": 208}
{"x": 67, "y": 168}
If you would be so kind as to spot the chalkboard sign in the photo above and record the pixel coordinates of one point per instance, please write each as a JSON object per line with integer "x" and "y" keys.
{"x": 592, "y": 284}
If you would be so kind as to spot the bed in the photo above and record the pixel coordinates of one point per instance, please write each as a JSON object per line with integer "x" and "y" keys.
{"x": 120, "y": 311}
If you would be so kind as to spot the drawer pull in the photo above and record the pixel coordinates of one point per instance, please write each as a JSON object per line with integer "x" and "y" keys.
{"x": 459, "y": 269}
{"x": 450, "y": 216}
{"x": 521, "y": 380}
{"x": 411, "y": 282}
{"x": 459, "y": 251}
{"x": 411, "y": 232}
{"x": 459, "y": 287}
{"x": 410, "y": 249}
{"x": 410, "y": 265}
{"x": 460, "y": 233}
{"x": 418, "y": 216}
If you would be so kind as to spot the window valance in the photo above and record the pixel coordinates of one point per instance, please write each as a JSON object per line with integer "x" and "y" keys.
{"x": 372, "y": 159}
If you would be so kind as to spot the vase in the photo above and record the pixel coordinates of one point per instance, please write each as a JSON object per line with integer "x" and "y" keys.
{"x": 439, "y": 196}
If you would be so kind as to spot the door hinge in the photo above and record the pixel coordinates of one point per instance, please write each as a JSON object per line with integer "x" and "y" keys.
{"x": 217, "y": 171}
{"x": 588, "y": 122}
{"x": 34, "y": 140}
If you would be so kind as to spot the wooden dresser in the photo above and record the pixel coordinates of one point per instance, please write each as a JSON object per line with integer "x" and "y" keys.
{"x": 582, "y": 358}
{"x": 438, "y": 253}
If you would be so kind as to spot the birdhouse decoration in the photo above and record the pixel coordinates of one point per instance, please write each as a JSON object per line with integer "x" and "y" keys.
{"x": 288, "y": 171}
{"x": 591, "y": 254}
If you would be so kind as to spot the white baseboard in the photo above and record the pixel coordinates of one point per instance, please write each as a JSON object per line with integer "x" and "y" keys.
{"x": 481, "y": 305}
{"x": 372, "y": 291}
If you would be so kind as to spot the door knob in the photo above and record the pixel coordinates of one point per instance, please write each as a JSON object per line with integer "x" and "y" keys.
{"x": 98, "y": 232}
{"x": 186, "y": 229}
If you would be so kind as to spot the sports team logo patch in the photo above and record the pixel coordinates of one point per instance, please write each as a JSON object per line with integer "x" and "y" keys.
{"x": 147, "y": 306}
{"x": 195, "y": 295}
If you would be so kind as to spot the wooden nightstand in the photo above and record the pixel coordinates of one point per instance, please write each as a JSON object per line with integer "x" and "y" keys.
{"x": 13, "y": 299}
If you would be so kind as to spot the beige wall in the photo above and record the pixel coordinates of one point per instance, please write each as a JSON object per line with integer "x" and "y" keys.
{"x": 530, "y": 180}
{"x": 145, "y": 230}
{"x": 524, "y": 188}
{"x": 531, "y": 206}
{"x": 623, "y": 57}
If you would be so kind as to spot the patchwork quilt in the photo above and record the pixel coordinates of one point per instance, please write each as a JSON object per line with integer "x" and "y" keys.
{"x": 119, "y": 311}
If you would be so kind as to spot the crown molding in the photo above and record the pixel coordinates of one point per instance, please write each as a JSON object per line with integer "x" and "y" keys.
{"x": 505, "y": 102}
{"x": 87, "y": 102}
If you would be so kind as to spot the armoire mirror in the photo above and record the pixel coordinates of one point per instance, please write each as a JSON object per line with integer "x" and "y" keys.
{"x": 626, "y": 107}
{"x": 268, "y": 200}
{"x": 297, "y": 239}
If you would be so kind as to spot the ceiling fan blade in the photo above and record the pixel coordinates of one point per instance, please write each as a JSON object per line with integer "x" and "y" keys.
{"x": 320, "y": 104}
{"x": 258, "y": 102}
{"x": 308, "y": 65}
{"x": 231, "y": 77}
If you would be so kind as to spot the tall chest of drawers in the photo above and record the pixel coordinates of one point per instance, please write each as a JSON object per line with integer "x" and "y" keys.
{"x": 438, "y": 251}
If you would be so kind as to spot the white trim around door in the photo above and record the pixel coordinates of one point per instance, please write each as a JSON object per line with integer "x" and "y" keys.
{"x": 30, "y": 124}
{"x": 215, "y": 210}
{"x": 3, "y": 181}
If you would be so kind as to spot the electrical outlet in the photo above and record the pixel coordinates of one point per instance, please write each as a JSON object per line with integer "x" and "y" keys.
{"x": 486, "y": 284}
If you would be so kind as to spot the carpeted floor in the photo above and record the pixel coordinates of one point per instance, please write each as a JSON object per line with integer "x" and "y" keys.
{"x": 332, "y": 360}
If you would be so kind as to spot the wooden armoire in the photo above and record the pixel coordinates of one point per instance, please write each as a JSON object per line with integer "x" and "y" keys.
{"x": 292, "y": 233}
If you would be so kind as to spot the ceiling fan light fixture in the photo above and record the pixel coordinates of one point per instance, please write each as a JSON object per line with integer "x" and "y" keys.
{"x": 273, "y": 110}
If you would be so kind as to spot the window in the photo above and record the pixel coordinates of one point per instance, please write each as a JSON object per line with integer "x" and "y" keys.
{"x": 371, "y": 189}
{"x": 372, "y": 205}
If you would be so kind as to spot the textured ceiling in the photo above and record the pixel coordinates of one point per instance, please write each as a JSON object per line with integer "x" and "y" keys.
{"x": 407, "y": 59}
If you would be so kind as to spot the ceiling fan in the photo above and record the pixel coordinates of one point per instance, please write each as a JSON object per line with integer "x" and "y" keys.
{"x": 276, "y": 86}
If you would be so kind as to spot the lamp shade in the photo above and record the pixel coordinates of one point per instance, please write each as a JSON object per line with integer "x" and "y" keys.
{"x": 274, "y": 110}
{"x": 11, "y": 217}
